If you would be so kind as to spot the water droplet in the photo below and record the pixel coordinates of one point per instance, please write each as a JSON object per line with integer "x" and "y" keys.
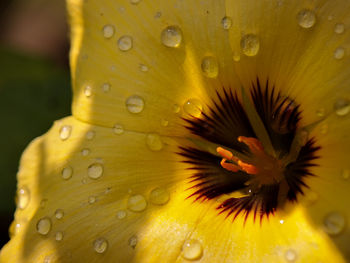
{"x": 100, "y": 245}
{"x": 334, "y": 223}
{"x": 330, "y": 18}
{"x": 118, "y": 129}
{"x": 59, "y": 236}
{"x": 159, "y": 196}
{"x": 250, "y": 45}
{"x": 135, "y": 2}
{"x": 306, "y": 18}
{"x": 91, "y": 199}
{"x": 154, "y": 142}
{"x": 342, "y": 107}
{"x": 59, "y": 213}
{"x": 176, "y": 108}
{"x": 90, "y": 135}
{"x": 164, "y": 122}
{"x": 339, "y": 28}
{"x": 43, "y": 203}
{"x": 236, "y": 57}
{"x": 85, "y": 152}
{"x": 321, "y": 112}
{"x": 226, "y": 22}
{"x": 121, "y": 214}
{"x": 210, "y": 67}
{"x": 133, "y": 241}
{"x": 143, "y": 67}
{"x": 290, "y": 255}
{"x": 158, "y": 15}
{"x": 339, "y": 53}
{"x": 345, "y": 174}
{"x": 95, "y": 170}
{"x": 67, "y": 173}
{"x": 65, "y": 132}
{"x": 137, "y": 203}
{"x": 171, "y": 36}
{"x": 108, "y": 31}
{"x": 311, "y": 197}
{"x": 106, "y": 87}
{"x": 125, "y": 43}
{"x": 23, "y": 197}
{"x": 43, "y": 226}
{"x": 87, "y": 91}
{"x": 192, "y": 249}
{"x": 193, "y": 107}
{"x": 135, "y": 104}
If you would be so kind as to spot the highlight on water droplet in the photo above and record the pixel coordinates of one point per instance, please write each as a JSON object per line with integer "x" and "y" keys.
{"x": 171, "y": 36}
{"x": 132, "y": 241}
{"x": 143, "y": 67}
{"x": 67, "y": 173}
{"x": 23, "y": 197}
{"x": 88, "y": 91}
{"x": 59, "y": 213}
{"x": 339, "y": 28}
{"x": 95, "y": 170}
{"x": 135, "y": 104}
{"x": 118, "y": 129}
{"x": 85, "y": 152}
{"x": 334, "y": 223}
{"x": 125, "y": 43}
{"x": 250, "y": 45}
{"x": 290, "y": 255}
{"x": 59, "y": 236}
{"x": 108, "y": 31}
{"x": 91, "y": 199}
{"x": 306, "y": 18}
{"x": 342, "y": 107}
{"x": 137, "y": 203}
{"x": 154, "y": 142}
{"x": 65, "y": 132}
{"x": 159, "y": 196}
{"x": 90, "y": 135}
{"x": 121, "y": 214}
{"x": 106, "y": 87}
{"x": 43, "y": 226}
{"x": 100, "y": 245}
{"x": 192, "y": 249}
{"x": 339, "y": 53}
{"x": 193, "y": 107}
{"x": 226, "y": 22}
{"x": 164, "y": 122}
{"x": 210, "y": 67}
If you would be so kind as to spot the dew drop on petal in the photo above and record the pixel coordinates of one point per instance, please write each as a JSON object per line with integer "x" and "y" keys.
{"x": 65, "y": 132}
{"x": 290, "y": 255}
{"x": 121, "y": 214}
{"x": 59, "y": 236}
{"x": 135, "y": 2}
{"x": 91, "y": 199}
{"x": 192, "y": 249}
{"x": 135, "y": 104}
{"x": 87, "y": 91}
{"x": 210, "y": 67}
{"x": 137, "y": 203}
{"x": 67, "y": 173}
{"x": 176, "y": 108}
{"x": 125, "y": 43}
{"x": 106, "y": 87}
{"x": 193, "y": 107}
{"x": 339, "y": 28}
{"x": 59, "y": 213}
{"x": 250, "y": 45}
{"x": 118, "y": 129}
{"x": 164, "y": 122}
{"x": 85, "y": 152}
{"x": 43, "y": 226}
{"x": 108, "y": 31}
{"x": 306, "y": 18}
{"x": 23, "y": 197}
{"x": 334, "y": 223}
{"x": 321, "y": 112}
{"x": 226, "y": 22}
{"x": 95, "y": 170}
{"x": 100, "y": 245}
{"x": 132, "y": 241}
{"x": 154, "y": 142}
{"x": 143, "y": 67}
{"x": 90, "y": 135}
{"x": 43, "y": 203}
{"x": 339, "y": 53}
{"x": 171, "y": 36}
{"x": 159, "y": 196}
{"x": 342, "y": 107}
{"x": 345, "y": 174}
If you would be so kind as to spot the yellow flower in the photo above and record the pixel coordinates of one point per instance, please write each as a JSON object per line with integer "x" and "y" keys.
{"x": 197, "y": 126}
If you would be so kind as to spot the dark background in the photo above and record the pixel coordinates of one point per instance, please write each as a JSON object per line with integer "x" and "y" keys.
{"x": 34, "y": 85}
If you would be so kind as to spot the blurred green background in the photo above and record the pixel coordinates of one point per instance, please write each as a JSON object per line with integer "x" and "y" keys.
{"x": 34, "y": 85}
